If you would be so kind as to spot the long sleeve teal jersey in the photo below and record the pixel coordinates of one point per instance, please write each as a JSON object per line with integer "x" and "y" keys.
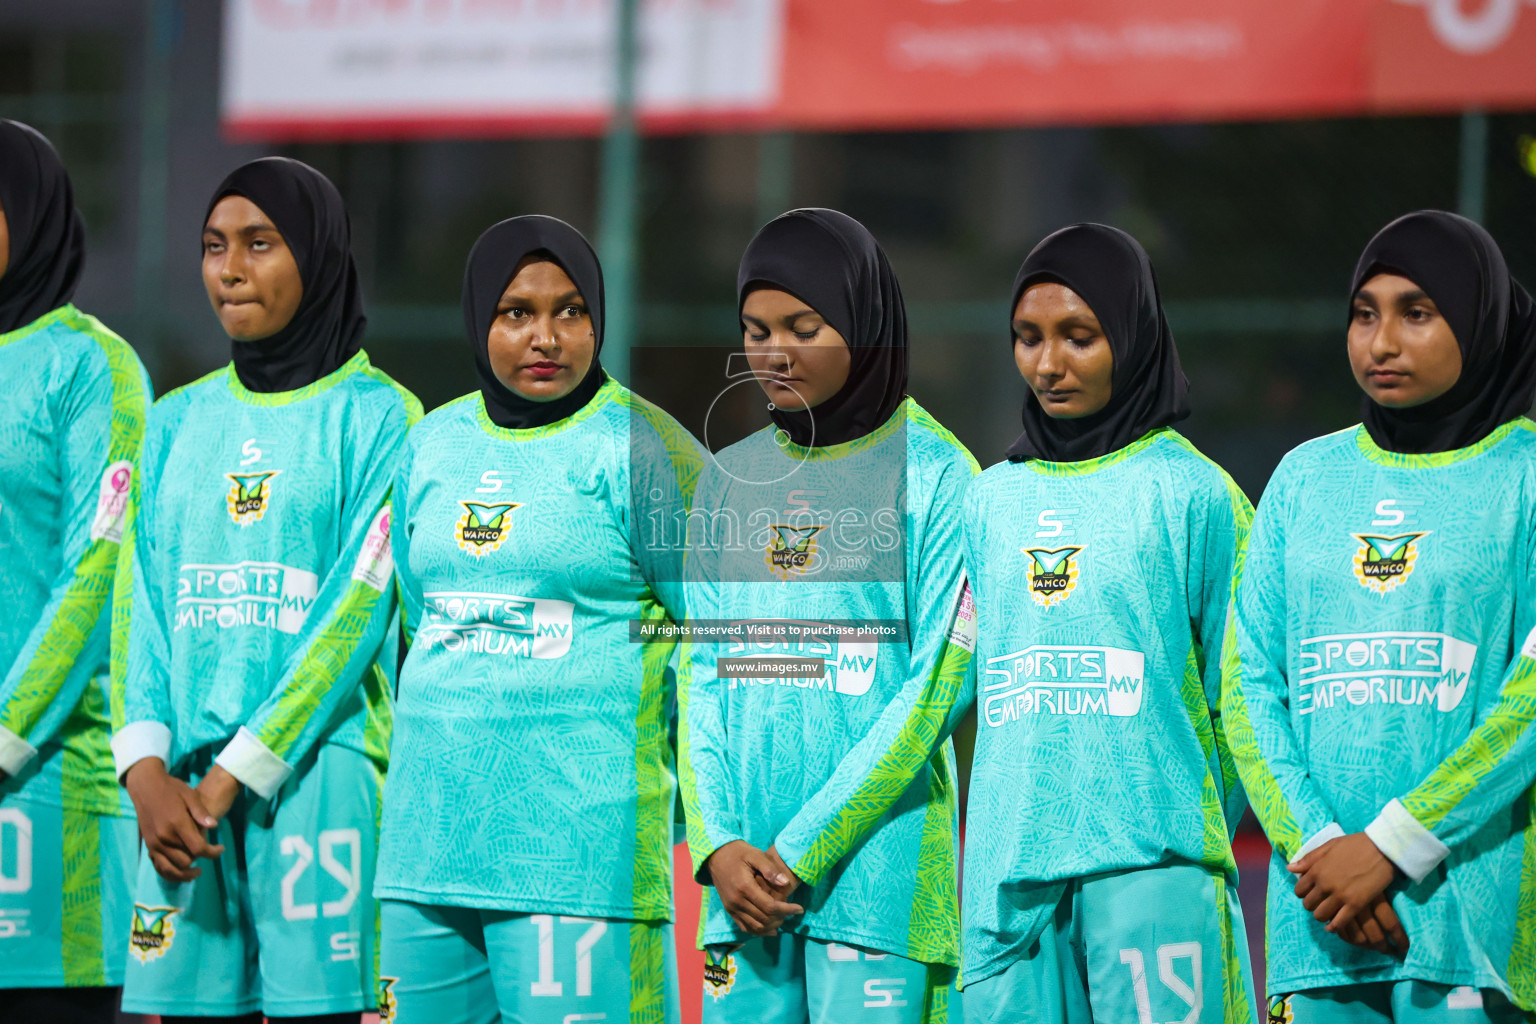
{"x": 256, "y": 588}
{"x": 846, "y": 769}
{"x": 70, "y": 432}
{"x": 532, "y": 769}
{"x": 1381, "y": 678}
{"x": 1101, "y": 592}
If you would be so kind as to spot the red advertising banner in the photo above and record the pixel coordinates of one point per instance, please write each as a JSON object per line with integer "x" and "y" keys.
{"x": 1452, "y": 54}
{"x": 869, "y": 63}
{"x": 411, "y": 68}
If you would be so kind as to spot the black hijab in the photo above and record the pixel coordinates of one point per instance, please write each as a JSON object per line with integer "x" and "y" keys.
{"x": 47, "y": 234}
{"x": 1460, "y": 267}
{"x": 1111, "y": 272}
{"x": 491, "y": 265}
{"x": 327, "y": 328}
{"x": 832, "y": 263}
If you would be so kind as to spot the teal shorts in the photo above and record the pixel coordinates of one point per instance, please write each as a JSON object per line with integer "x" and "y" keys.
{"x": 1156, "y": 944}
{"x": 65, "y": 879}
{"x": 795, "y": 979}
{"x": 460, "y": 965}
{"x": 284, "y": 921}
{"x": 1419, "y": 1002}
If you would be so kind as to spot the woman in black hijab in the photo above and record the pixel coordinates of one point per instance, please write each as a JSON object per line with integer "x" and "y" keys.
{"x": 1111, "y": 275}
{"x": 1396, "y": 787}
{"x": 1101, "y": 553}
{"x": 1490, "y": 316}
{"x": 71, "y": 427}
{"x": 248, "y": 705}
{"x": 539, "y": 545}
{"x": 326, "y": 328}
{"x": 834, "y": 788}
{"x": 45, "y": 253}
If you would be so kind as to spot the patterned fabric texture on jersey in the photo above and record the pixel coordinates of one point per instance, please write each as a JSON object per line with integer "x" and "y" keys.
{"x": 840, "y": 759}
{"x": 1377, "y": 682}
{"x": 532, "y": 768}
{"x": 1101, "y": 592}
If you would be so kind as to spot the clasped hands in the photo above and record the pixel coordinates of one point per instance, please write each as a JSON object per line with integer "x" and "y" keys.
{"x": 1344, "y": 883}
{"x": 754, "y": 886}
{"x": 173, "y": 816}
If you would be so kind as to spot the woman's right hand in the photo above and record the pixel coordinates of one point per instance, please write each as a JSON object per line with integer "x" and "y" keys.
{"x": 171, "y": 820}
{"x": 742, "y": 875}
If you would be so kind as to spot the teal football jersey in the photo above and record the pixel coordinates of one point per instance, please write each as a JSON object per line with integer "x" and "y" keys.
{"x": 832, "y": 750}
{"x": 70, "y": 432}
{"x": 1380, "y": 678}
{"x": 532, "y": 770}
{"x": 251, "y": 612}
{"x": 1101, "y": 592}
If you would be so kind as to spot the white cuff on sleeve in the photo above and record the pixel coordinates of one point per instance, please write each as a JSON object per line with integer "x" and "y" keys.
{"x": 1330, "y": 831}
{"x": 249, "y": 760}
{"x": 138, "y": 740}
{"x": 15, "y": 752}
{"x": 1409, "y": 845}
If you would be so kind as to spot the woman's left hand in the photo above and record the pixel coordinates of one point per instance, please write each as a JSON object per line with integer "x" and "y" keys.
{"x": 218, "y": 790}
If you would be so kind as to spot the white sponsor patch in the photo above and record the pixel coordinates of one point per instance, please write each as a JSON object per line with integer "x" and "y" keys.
{"x": 112, "y": 502}
{"x": 267, "y": 595}
{"x": 1063, "y": 680}
{"x": 1529, "y": 647}
{"x": 376, "y": 562}
{"x": 962, "y": 629}
{"x": 850, "y": 665}
{"x": 1407, "y": 668}
{"x": 500, "y": 624}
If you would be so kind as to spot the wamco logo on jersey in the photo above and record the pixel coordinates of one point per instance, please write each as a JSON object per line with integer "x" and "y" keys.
{"x": 719, "y": 974}
{"x": 266, "y": 594}
{"x": 1063, "y": 680}
{"x": 388, "y": 1005}
{"x": 849, "y": 664}
{"x": 528, "y": 627}
{"x": 1407, "y": 668}
{"x": 1052, "y": 574}
{"x": 483, "y": 527}
{"x": 249, "y": 496}
{"x": 792, "y": 550}
{"x": 1382, "y": 564}
{"x": 1483, "y": 26}
{"x": 153, "y": 932}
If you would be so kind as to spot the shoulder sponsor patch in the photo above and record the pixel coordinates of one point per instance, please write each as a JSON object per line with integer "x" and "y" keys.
{"x": 112, "y": 502}
{"x": 962, "y": 628}
{"x": 376, "y": 562}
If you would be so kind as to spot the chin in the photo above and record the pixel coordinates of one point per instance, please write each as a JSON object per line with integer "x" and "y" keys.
{"x": 542, "y": 391}
{"x": 1068, "y": 413}
{"x": 245, "y": 335}
{"x": 1394, "y": 399}
{"x": 788, "y": 400}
